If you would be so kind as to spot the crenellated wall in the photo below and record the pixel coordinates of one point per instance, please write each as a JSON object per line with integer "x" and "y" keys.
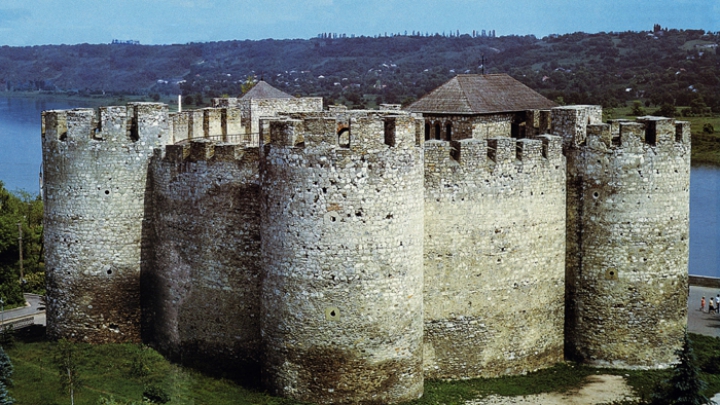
{"x": 342, "y": 255}
{"x": 221, "y": 124}
{"x": 250, "y": 111}
{"x": 627, "y": 240}
{"x": 494, "y": 256}
{"x": 95, "y": 170}
{"x": 347, "y": 258}
{"x": 201, "y": 278}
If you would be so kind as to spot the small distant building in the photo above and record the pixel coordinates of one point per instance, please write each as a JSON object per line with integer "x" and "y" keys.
{"x": 265, "y": 101}
{"x": 479, "y": 107}
{"x": 237, "y": 120}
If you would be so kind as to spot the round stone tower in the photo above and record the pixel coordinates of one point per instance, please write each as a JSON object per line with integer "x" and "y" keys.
{"x": 201, "y": 276}
{"x": 628, "y": 225}
{"x": 342, "y": 246}
{"x": 94, "y": 192}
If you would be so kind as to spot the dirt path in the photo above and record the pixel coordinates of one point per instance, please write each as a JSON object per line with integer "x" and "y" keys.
{"x": 599, "y": 389}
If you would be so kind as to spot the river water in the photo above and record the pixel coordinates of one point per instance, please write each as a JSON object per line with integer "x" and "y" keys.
{"x": 20, "y": 158}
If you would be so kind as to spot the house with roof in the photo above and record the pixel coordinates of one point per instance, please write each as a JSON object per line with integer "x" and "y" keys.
{"x": 479, "y": 107}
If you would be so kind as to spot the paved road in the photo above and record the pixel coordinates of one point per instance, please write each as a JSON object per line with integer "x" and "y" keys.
{"x": 35, "y": 307}
{"x": 702, "y": 322}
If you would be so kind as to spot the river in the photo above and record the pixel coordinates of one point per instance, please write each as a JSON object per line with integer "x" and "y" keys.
{"x": 20, "y": 158}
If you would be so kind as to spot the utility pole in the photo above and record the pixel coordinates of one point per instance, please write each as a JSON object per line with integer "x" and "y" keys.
{"x": 22, "y": 276}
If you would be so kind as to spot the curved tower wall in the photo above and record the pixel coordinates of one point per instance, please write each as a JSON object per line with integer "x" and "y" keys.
{"x": 342, "y": 242}
{"x": 494, "y": 256}
{"x": 201, "y": 282}
{"x": 94, "y": 191}
{"x": 629, "y": 283}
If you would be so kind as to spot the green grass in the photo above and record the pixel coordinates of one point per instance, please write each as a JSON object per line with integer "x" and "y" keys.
{"x": 108, "y": 370}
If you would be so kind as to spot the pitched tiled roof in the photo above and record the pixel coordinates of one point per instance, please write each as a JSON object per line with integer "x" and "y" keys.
{"x": 263, "y": 90}
{"x": 481, "y": 94}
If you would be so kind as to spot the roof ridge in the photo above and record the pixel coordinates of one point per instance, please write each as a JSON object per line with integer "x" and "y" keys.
{"x": 465, "y": 95}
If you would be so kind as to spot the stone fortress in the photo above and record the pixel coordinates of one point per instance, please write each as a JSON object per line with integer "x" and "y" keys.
{"x": 343, "y": 256}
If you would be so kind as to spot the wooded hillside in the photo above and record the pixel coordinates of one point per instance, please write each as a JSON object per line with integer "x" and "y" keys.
{"x": 663, "y": 66}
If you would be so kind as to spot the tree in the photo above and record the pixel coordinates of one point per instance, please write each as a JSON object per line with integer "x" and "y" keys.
{"x": 666, "y": 110}
{"x": 66, "y": 360}
{"x": 637, "y": 109}
{"x": 248, "y": 84}
{"x": 6, "y": 369}
{"x": 684, "y": 386}
{"x": 5, "y": 398}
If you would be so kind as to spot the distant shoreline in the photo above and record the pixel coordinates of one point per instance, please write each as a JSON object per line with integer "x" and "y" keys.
{"x": 704, "y": 281}
{"x": 85, "y": 101}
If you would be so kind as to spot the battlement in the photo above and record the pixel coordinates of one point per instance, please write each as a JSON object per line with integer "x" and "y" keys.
{"x": 353, "y": 130}
{"x": 658, "y": 132}
{"x": 207, "y": 150}
{"x": 224, "y": 124}
{"x": 475, "y": 153}
{"x": 581, "y": 126}
{"x": 137, "y": 122}
{"x": 570, "y": 122}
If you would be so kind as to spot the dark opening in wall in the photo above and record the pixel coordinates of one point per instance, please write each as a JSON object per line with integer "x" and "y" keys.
{"x": 616, "y": 140}
{"x": 97, "y": 131}
{"x": 437, "y": 131}
{"x": 344, "y": 138}
{"x": 517, "y": 130}
{"x": 678, "y": 133}
{"x": 390, "y": 132}
{"x": 134, "y": 134}
{"x": 63, "y": 136}
{"x": 448, "y": 131}
{"x": 427, "y": 131}
{"x": 650, "y": 135}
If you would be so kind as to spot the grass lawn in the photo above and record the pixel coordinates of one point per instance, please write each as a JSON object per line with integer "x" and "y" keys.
{"x": 113, "y": 369}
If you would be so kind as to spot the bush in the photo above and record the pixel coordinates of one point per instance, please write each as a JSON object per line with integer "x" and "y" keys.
{"x": 685, "y": 385}
{"x": 637, "y": 109}
{"x": 6, "y": 369}
{"x": 7, "y": 337}
{"x": 666, "y": 110}
{"x": 708, "y": 128}
{"x": 5, "y": 398}
{"x": 156, "y": 395}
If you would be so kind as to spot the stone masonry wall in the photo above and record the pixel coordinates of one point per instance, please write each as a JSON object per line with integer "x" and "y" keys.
{"x": 492, "y": 126}
{"x": 201, "y": 283}
{"x": 342, "y": 257}
{"x": 221, "y": 124}
{"x": 494, "y": 256}
{"x": 628, "y": 281}
{"x": 94, "y": 191}
{"x": 265, "y": 108}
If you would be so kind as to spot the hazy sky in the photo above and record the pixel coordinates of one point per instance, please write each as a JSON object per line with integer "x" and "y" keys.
{"x": 36, "y": 22}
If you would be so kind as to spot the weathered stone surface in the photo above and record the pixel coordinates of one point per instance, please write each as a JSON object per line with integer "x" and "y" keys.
{"x": 348, "y": 257}
{"x": 201, "y": 273}
{"x": 342, "y": 243}
{"x": 494, "y": 257}
{"x": 95, "y": 171}
{"x": 627, "y": 240}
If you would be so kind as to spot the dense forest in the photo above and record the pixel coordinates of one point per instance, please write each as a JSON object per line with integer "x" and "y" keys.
{"x": 658, "y": 67}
